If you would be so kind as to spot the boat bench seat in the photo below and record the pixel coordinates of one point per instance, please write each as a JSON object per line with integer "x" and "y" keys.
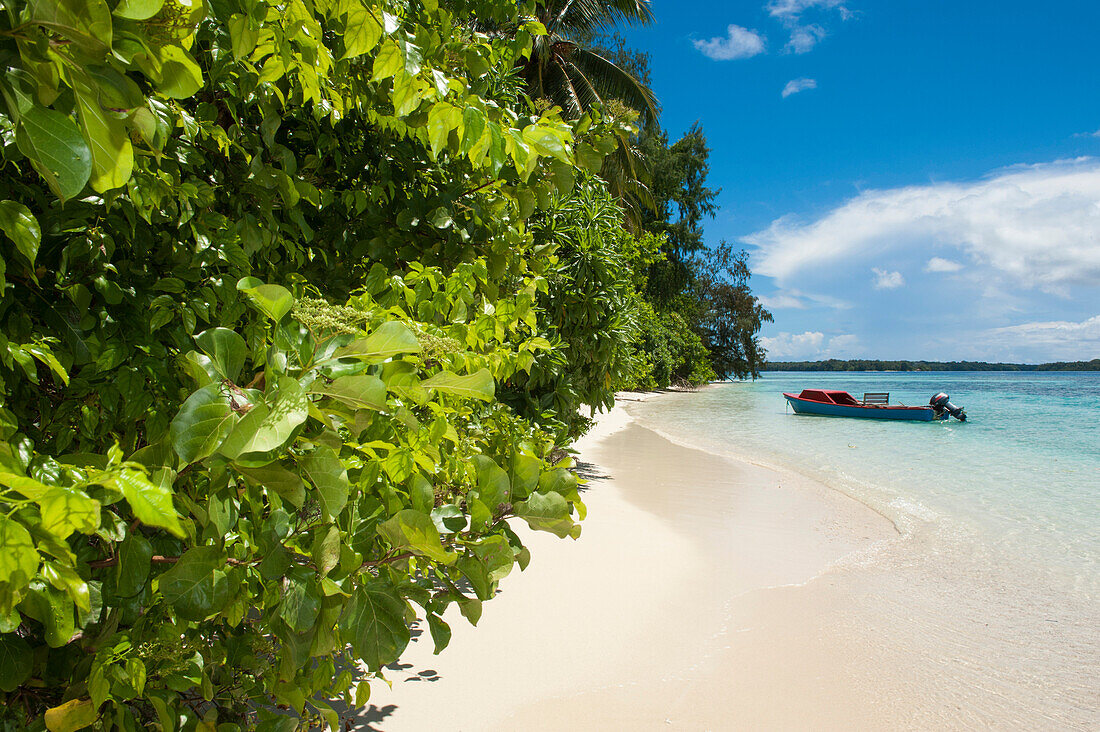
{"x": 876, "y": 397}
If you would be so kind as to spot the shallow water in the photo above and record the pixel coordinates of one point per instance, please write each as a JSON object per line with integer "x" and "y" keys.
{"x": 991, "y": 590}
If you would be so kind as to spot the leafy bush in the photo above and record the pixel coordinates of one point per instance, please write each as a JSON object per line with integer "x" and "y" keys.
{"x": 668, "y": 352}
{"x": 589, "y": 304}
{"x": 265, "y": 266}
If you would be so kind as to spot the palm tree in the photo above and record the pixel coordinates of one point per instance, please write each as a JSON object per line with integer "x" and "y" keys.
{"x": 565, "y": 70}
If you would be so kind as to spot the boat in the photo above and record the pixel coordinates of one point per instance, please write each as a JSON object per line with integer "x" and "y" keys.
{"x": 874, "y": 405}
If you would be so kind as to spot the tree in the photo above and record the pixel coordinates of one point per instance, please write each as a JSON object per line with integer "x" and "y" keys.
{"x": 265, "y": 268}
{"x": 576, "y": 76}
{"x": 730, "y": 316}
{"x": 681, "y": 202}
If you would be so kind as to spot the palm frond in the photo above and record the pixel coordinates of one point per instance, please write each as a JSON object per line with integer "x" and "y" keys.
{"x": 586, "y": 92}
{"x": 566, "y": 16}
{"x": 613, "y": 82}
{"x": 564, "y": 92}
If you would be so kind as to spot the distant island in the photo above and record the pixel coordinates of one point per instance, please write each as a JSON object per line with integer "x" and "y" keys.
{"x": 834, "y": 364}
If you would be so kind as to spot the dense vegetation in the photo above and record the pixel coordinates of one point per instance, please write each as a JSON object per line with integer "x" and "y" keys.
{"x": 299, "y": 303}
{"x": 698, "y": 317}
{"x": 865, "y": 365}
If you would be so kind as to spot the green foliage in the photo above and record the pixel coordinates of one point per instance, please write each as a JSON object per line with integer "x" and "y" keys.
{"x": 272, "y": 276}
{"x": 729, "y": 315}
{"x": 705, "y": 288}
{"x": 564, "y": 68}
{"x": 589, "y": 302}
{"x": 669, "y": 352}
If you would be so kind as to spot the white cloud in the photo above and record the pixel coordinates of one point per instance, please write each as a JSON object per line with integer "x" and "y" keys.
{"x": 796, "y": 85}
{"x": 793, "y": 9}
{"x": 1055, "y": 340}
{"x": 887, "y": 280}
{"x": 738, "y": 43}
{"x": 1037, "y": 226}
{"x": 842, "y": 345}
{"x": 804, "y": 36}
{"x": 797, "y": 300}
{"x": 786, "y": 345}
{"x": 939, "y": 264}
{"x": 809, "y": 346}
{"x": 782, "y": 301}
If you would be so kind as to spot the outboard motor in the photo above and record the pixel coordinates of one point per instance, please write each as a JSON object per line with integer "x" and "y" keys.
{"x": 942, "y": 403}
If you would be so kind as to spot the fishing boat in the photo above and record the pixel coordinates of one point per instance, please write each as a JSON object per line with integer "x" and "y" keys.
{"x": 874, "y": 405}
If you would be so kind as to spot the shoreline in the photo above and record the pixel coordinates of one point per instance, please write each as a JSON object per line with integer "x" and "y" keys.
{"x": 697, "y": 579}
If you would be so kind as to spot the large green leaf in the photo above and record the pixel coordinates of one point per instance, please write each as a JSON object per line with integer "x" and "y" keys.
{"x": 54, "y": 609}
{"x": 413, "y": 530}
{"x": 302, "y": 600}
{"x": 115, "y": 90}
{"x": 71, "y": 716}
{"x": 422, "y": 493}
{"x": 203, "y": 422}
{"x": 493, "y": 486}
{"x": 326, "y": 549}
{"x": 274, "y": 301}
{"x": 57, "y": 148}
{"x": 477, "y": 574}
{"x": 266, "y": 428}
{"x": 497, "y": 555}
{"x": 558, "y": 480}
{"x": 473, "y": 127}
{"x": 17, "y": 221}
{"x": 151, "y": 501}
{"x": 388, "y": 61}
{"x": 525, "y": 474}
{"x": 449, "y": 518}
{"x": 134, "y": 561}
{"x": 112, "y": 153}
{"x": 226, "y": 349}
{"x": 548, "y": 512}
{"x": 87, "y": 22}
{"x": 196, "y": 586}
{"x": 18, "y": 557}
{"x": 242, "y": 35}
{"x": 478, "y": 385}
{"x": 441, "y": 632}
{"x": 326, "y": 472}
{"x": 287, "y": 484}
{"x": 362, "y": 31}
{"x": 180, "y": 76}
{"x": 358, "y": 392}
{"x": 65, "y": 510}
{"x": 388, "y": 340}
{"x": 373, "y": 623}
{"x": 199, "y": 367}
{"x": 138, "y": 9}
{"x": 15, "y": 662}
{"x": 275, "y": 477}
{"x": 547, "y": 141}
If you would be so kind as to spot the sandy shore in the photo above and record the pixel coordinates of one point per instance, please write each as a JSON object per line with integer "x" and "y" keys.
{"x": 704, "y": 593}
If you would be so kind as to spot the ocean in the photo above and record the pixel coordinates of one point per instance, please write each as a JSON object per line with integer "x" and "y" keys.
{"x": 992, "y": 587}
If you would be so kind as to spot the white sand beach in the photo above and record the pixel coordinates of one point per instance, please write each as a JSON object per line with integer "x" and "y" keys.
{"x": 704, "y": 593}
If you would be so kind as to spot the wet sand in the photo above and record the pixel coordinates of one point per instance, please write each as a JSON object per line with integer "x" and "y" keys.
{"x": 704, "y": 593}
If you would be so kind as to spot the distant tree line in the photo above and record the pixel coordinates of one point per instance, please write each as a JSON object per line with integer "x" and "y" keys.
{"x": 834, "y": 364}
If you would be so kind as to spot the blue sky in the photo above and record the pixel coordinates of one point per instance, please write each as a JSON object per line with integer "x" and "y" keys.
{"x": 913, "y": 179}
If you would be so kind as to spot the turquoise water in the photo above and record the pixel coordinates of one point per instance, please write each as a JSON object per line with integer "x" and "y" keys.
{"x": 995, "y": 575}
{"x": 1022, "y": 474}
